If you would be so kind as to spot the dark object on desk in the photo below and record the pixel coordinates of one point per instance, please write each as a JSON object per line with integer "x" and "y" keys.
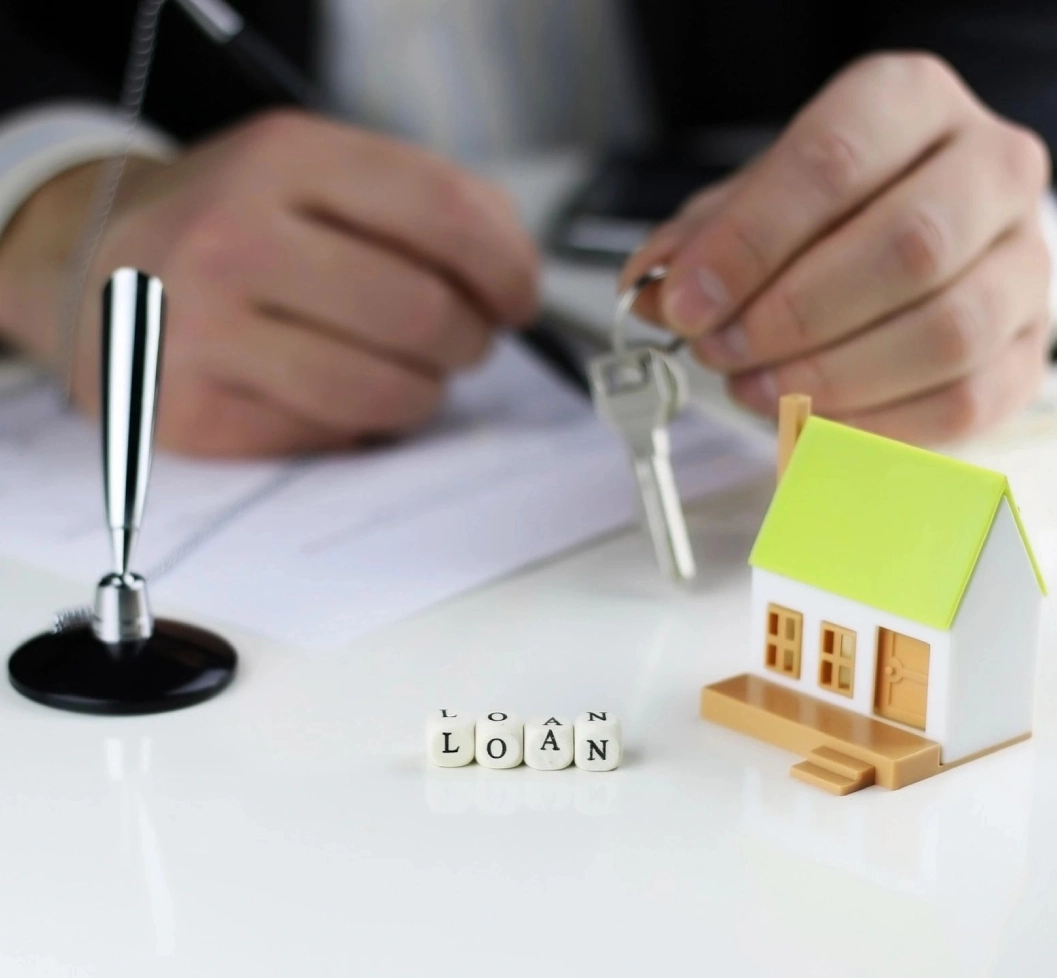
{"x": 123, "y": 661}
{"x": 623, "y": 199}
{"x": 548, "y": 345}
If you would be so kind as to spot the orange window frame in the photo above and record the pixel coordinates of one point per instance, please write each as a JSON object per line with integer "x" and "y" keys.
{"x": 784, "y": 640}
{"x": 836, "y": 659}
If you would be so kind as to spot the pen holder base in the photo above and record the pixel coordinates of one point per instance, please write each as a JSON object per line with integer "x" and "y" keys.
{"x": 178, "y": 666}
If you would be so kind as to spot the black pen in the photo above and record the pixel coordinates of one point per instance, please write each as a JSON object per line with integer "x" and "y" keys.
{"x": 259, "y": 60}
{"x": 262, "y": 63}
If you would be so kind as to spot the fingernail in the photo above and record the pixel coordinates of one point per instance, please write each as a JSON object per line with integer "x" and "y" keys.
{"x": 693, "y": 304}
{"x": 758, "y": 392}
{"x": 729, "y": 345}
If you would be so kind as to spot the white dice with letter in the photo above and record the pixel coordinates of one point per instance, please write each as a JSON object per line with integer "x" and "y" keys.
{"x": 598, "y": 743}
{"x": 500, "y": 740}
{"x": 548, "y": 743}
{"x": 449, "y": 738}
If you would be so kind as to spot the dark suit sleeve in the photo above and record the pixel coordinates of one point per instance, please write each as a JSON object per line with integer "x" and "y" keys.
{"x": 1007, "y": 52}
{"x": 718, "y": 62}
{"x": 31, "y": 73}
{"x": 61, "y": 49}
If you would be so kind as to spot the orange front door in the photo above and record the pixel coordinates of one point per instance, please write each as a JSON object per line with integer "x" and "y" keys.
{"x": 902, "y": 686}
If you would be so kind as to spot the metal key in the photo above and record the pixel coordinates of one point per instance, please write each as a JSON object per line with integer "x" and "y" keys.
{"x": 638, "y": 392}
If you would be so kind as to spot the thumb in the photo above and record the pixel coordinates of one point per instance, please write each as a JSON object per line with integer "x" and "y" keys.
{"x": 668, "y": 238}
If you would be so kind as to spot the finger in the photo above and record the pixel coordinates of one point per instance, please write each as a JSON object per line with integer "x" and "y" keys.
{"x": 373, "y": 296}
{"x": 324, "y": 381}
{"x": 667, "y": 239}
{"x": 851, "y": 141}
{"x": 219, "y": 422}
{"x": 946, "y": 337}
{"x": 419, "y": 202}
{"x": 906, "y": 244}
{"x": 970, "y": 405}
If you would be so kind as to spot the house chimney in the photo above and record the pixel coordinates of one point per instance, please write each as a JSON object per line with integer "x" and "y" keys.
{"x": 793, "y": 412}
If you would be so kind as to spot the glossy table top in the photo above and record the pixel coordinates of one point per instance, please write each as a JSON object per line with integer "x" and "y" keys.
{"x": 292, "y": 827}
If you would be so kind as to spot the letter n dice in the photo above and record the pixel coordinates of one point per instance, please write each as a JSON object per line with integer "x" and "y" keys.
{"x": 598, "y": 746}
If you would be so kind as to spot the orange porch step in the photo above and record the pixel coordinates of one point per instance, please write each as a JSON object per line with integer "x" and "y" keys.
{"x": 820, "y": 777}
{"x": 834, "y": 772}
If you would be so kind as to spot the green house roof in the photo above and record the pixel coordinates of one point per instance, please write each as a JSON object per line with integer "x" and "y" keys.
{"x": 880, "y": 522}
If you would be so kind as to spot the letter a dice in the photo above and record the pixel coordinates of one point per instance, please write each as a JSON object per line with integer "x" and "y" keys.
{"x": 598, "y": 743}
{"x": 449, "y": 738}
{"x": 500, "y": 740}
{"x": 548, "y": 743}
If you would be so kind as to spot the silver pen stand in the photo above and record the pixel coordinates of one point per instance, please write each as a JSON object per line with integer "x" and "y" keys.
{"x": 120, "y": 660}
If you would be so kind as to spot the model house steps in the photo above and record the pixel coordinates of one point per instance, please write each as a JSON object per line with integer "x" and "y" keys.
{"x": 833, "y": 771}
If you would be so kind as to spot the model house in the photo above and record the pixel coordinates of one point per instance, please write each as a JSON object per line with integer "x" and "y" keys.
{"x": 895, "y": 611}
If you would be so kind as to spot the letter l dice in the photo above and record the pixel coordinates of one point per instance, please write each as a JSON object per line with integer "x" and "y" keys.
{"x": 449, "y": 738}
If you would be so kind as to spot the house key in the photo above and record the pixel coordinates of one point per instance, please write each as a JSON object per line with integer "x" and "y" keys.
{"x": 638, "y": 391}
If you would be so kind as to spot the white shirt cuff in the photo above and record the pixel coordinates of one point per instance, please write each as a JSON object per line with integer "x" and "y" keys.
{"x": 40, "y": 143}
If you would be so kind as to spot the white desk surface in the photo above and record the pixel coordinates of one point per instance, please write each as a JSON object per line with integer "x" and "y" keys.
{"x": 291, "y": 827}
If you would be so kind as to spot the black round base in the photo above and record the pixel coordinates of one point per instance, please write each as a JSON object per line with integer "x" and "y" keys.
{"x": 178, "y": 666}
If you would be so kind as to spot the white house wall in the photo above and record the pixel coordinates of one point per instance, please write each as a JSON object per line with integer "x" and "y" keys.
{"x": 995, "y": 642}
{"x": 818, "y": 606}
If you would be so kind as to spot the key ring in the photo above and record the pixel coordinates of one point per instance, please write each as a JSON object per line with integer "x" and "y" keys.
{"x": 628, "y": 298}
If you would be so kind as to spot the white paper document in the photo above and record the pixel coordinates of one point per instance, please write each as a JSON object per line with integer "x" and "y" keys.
{"x": 317, "y": 551}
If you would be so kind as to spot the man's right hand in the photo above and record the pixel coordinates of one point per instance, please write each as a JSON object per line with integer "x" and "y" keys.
{"x": 322, "y": 282}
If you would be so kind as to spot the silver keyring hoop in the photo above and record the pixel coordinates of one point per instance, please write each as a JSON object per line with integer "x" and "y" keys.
{"x": 628, "y": 298}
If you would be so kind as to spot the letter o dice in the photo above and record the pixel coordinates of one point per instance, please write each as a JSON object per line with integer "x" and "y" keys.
{"x": 598, "y": 742}
{"x": 449, "y": 738}
{"x": 500, "y": 740}
{"x": 548, "y": 743}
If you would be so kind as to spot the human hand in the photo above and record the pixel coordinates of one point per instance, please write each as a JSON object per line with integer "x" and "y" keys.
{"x": 884, "y": 256}
{"x": 322, "y": 282}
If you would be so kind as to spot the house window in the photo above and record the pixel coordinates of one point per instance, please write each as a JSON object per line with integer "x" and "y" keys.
{"x": 785, "y": 630}
{"x": 836, "y": 659}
